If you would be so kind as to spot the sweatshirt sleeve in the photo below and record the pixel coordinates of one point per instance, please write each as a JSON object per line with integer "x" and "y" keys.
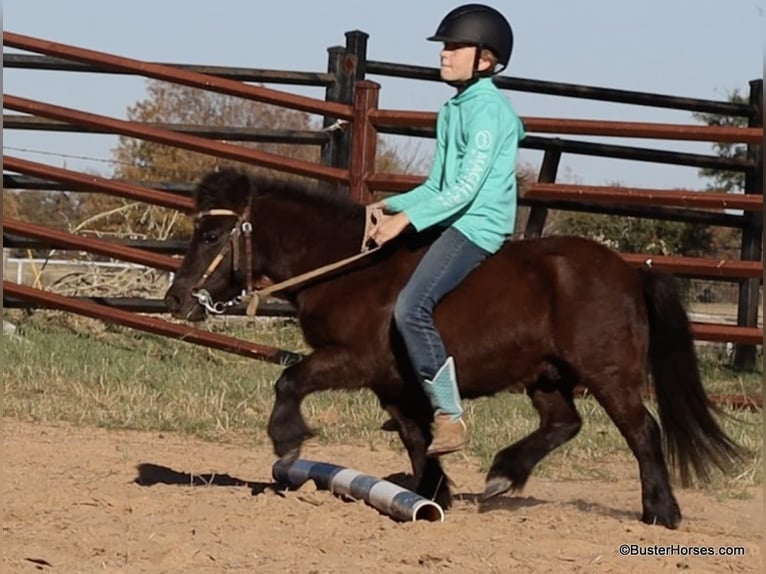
{"x": 485, "y": 135}
{"x": 423, "y": 192}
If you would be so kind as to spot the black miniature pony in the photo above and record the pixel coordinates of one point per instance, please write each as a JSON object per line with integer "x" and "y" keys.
{"x": 547, "y": 314}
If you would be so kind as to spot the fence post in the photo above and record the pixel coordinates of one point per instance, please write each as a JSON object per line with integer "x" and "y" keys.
{"x": 364, "y": 138}
{"x": 538, "y": 213}
{"x": 335, "y": 152}
{"x": 356, "y": 45}
{"x": 347, "y": 64}
{"x": 752, "y": 234}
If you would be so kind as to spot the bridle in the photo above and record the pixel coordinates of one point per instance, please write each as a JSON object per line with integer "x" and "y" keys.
{"x": 244, "y": 227}
{"x": 241, "y": 228}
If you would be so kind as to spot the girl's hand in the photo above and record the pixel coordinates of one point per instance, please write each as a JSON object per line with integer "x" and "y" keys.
{"x": 388, "y": 227}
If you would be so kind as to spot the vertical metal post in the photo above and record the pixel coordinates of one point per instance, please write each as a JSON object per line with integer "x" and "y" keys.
{"x": 348, "y": 65}
{"x": 341, "y": 91}
{"x": 538, "y": 214}
{"x": 356, "y": 45}
{"x": 752, "y": 235}
{"x": 364, "y": 138}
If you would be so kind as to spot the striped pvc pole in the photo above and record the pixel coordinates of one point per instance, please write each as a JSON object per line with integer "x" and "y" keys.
{"x": 395, "y": 501}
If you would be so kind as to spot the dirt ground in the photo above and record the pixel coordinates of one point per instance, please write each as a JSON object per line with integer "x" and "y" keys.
{"x": 71, "y": 504}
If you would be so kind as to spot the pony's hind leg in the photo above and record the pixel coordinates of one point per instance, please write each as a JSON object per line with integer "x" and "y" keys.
{"x": 559, "y": 422}
{"x": 625, "y": 407}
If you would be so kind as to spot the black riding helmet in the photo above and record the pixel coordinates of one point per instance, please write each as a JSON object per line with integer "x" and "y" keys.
{"x": 481, "y": 26}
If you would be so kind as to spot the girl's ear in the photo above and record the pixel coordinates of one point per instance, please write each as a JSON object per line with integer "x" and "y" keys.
{"x": 487, "y": 61}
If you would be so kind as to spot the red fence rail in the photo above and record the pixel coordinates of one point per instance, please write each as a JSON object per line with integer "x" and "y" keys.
{"x": 177, "y": 75}
{"x": 185, "y": 141}
{"x": 150, "y": 324}
{"x": 409, "y": 119}
{"x": 600, "y": 194}
{"x": 86, "y": 182}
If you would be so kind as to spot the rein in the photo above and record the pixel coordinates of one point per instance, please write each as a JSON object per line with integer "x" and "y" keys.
{"x": 371, "y": 216}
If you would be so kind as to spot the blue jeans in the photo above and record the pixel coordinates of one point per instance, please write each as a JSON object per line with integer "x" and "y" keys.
{"x": 444, "y": 266}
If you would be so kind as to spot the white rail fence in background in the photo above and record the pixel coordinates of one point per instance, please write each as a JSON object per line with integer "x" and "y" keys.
{"x": 28, "y": 270}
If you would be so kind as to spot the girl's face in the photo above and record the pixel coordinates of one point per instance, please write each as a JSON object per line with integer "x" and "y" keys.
{"x": 457, "y": 61}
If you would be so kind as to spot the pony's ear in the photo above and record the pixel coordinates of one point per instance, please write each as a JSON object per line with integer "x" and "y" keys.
{"x": 223, "y": 189}
{"x": 237, "y": 192}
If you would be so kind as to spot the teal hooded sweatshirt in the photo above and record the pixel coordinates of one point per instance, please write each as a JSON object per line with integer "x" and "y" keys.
{"x": 472, "y": 183}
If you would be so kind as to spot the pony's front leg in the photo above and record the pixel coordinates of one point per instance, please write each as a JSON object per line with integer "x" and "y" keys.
{"x": 287, "y": 429}
{"x": 322, "y": 370}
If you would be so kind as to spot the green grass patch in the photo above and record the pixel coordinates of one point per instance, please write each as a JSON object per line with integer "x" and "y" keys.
{"x": 60, "y": 367}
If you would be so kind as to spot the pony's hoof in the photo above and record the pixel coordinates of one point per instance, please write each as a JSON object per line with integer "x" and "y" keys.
{"x": 669, "y": 520}
{"x": 390, "y": 426}
{"x": 494, "y": 487}
{"x": 290, "y": 457}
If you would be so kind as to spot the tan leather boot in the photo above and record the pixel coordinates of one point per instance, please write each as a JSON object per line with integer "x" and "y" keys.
{"x": 448, "y": 435}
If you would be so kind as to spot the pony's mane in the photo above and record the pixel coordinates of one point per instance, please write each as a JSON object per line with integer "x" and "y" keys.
{"x": 216, "y": 189}
{"x": 308, "y": 193}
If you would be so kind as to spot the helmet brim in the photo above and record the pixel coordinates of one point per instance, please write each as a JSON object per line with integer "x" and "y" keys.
{"x": 447, "y": 39}
{"x": 442, "y": 38}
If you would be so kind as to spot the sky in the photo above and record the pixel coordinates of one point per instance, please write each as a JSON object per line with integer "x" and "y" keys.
{"x": 691, "y": 48}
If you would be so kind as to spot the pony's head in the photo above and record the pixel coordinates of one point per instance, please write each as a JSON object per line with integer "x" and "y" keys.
{"x": 251, "y": 229}
{"x": 216, "y": 267}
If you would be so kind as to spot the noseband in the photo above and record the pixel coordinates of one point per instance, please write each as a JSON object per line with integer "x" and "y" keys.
{"x": 241, "y": 227}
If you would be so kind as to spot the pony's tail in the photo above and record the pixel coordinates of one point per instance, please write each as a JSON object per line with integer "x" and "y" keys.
{"x": 693, "y": 440}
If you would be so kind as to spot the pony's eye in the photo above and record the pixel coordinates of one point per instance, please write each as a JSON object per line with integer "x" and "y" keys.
{"x": 210, "y": 236}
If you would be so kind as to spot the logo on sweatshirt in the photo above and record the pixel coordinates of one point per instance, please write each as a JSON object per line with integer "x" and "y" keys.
{"x": 483, "y": 140}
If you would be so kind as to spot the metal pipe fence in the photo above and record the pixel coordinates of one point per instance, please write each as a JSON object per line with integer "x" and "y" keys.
{"x": 351, "y": 98}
